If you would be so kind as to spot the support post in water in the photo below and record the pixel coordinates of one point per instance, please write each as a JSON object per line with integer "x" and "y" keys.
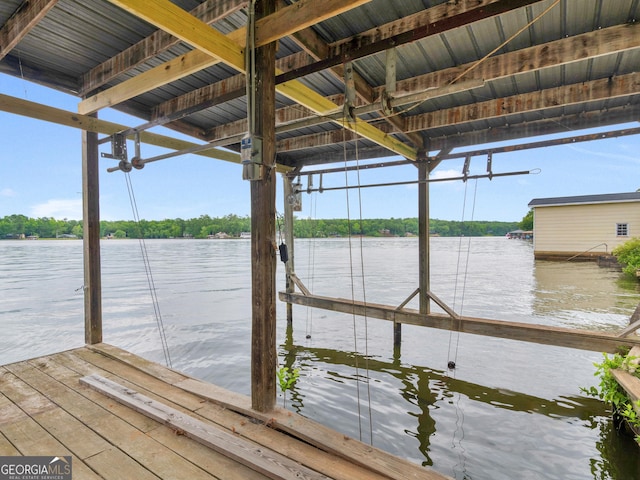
{"x": 263, "y": 229}
{"x": 289, "y": 204}
{"x": 91, "y": 239}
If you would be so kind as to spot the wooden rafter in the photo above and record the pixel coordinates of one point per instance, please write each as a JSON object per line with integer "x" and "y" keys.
{"x": 428, "y": 16}
{"x": 317, "y": 48}
{"x": 209, "y": 12}
{"x": 176, "y": 21}
{"x": 567, "y": 95}
{"x": 354, "y": 52}
{"x": 91, "y": 124}
{"x": 547, "y": 126}
{"x": 586, "y": 46}
{"x": 582, "y": 47}
{"x": 20, "y": 24}
{"x": 198, "y": 59}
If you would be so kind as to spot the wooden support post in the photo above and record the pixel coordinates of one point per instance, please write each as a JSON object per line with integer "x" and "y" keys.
{"x": 288, "y": 240}
{"x": 91, "y": 239}
{"x": 263, "y": 219}
{"x": 423, "y": 233}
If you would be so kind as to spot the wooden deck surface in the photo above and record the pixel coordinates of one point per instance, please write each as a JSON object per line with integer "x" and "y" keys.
{"x": 46, "y": 410}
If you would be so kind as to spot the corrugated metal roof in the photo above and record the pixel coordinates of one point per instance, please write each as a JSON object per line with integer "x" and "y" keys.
{"x": 77, "y": 36}
{"x": 585, "y": 199}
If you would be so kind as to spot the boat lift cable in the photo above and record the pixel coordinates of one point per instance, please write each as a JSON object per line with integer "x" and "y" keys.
{"x": 311, "y": 258}
{"x": 452, "y": 359}
{"x": 147, "y": 268}
{"x": 355, "y": 330}
{"x": 364, "y": 300}
{"x": 452, "y": 362}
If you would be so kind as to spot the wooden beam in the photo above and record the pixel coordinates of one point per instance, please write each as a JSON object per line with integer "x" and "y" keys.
{"x": 565, "y": 96}
{"x": 300, "y": 15}
{"x": 216, "y": 93}
{"x": 88, "y": 123}
{"x": 547, "y": 126}
{"x": 524, "y": 332}
{"x": 354, "y": 52}
{"x": 199, "y": 59}
{"x": 264, "y": 355}
{"x": 317, "y": 48}
{"x": 264, "y": 460}
{"x": 91, "y": 238}
{"x": 429, "y": 16}
{"x": 27, "y": 16}
{"x": 597, "y": 90}
{"x": 579, "y": 48}
{"x": 159, "y": 41}
{"x": 586, "y": 46}
{"x": 607, "y": 41}
{"x": 181, "y": 24}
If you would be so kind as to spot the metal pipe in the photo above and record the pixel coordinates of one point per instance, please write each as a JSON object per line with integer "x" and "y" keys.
{"x": 414, "y": 182}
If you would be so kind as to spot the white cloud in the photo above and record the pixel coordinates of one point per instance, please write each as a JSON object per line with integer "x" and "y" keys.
{"x": 7, "y": 192}
{"x": 58, "y": 209}
{"x": 611, "y": 155}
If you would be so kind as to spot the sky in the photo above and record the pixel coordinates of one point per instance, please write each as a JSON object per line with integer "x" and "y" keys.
{"x": 40, "y": 176}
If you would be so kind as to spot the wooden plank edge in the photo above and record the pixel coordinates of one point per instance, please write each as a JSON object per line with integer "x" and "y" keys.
{"x": 267, "y": 462}
{"x": 289, "y": 422}
{"x": 335, "y": 443}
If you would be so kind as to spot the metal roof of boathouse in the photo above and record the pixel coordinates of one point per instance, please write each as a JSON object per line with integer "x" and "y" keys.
{"x": 585, "y": 199}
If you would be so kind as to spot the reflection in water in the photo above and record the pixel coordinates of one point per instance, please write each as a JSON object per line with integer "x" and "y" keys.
{"x": 422, "y": 393}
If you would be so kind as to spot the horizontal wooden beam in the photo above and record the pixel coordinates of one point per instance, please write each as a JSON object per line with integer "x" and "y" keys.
{"x": 159, "y": 41}
{"x": 567, "y": 95}
{"x": 354, "y": 52}
{"x": 524, "y": 332}
{"x": 21, "y": 22}
{"x": 201, "y": 57}
{"x": 178, "y": 22}
{"x": 547, "y": 126}
{"x": 91, "y": 124}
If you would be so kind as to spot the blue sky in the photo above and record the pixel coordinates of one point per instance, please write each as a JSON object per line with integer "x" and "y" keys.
{"x": 40, "y": 176}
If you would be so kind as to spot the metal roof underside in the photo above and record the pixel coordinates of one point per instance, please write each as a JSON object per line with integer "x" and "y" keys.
{"x": 531, "y": 68}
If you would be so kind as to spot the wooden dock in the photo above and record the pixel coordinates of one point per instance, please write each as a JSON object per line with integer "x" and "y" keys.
{"x": 48, "y": 406}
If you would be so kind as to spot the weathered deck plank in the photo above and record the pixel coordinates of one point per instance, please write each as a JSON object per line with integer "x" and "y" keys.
{"x": 46, "y": 411}
{"x": 6, "y": 448}
{"x": 328, "y": 464}
{"x": 266, "y": 461}
{"x": 321, "y": 437}
{"x": 225, "y": 468}
{"x": 151, "y": 455}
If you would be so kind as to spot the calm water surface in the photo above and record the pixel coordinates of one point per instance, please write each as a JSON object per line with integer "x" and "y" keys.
{"x": 509, "y": 410}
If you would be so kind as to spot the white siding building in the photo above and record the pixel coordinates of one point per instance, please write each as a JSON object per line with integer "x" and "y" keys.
{"x": 587, "y": 226}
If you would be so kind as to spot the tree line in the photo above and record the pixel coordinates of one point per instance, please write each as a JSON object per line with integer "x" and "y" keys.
{"x": 20, "y": 226}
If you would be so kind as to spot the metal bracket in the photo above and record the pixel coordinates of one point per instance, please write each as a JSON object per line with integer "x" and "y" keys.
{"x": 350, "y": 93}
{"x": 118, "y": 147}
{"x": 489, "y": 160}
{"x": 465, "y": 168}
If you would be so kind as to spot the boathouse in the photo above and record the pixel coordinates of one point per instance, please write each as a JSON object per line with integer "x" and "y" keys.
{"x": 584, "y": 227}
{"x": 290, "y": 90}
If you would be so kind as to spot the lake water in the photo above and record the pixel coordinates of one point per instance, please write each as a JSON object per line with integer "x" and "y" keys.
{"x": 510, "y": 410}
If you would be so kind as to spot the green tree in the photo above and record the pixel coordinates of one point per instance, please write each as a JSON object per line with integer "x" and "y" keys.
{"x": 527, "y": 221}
